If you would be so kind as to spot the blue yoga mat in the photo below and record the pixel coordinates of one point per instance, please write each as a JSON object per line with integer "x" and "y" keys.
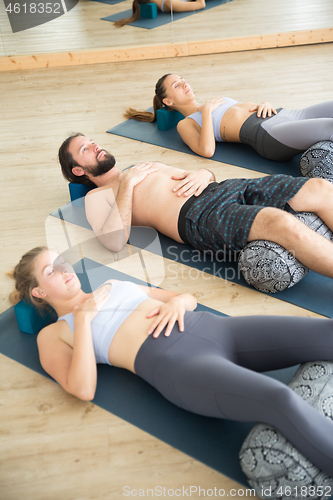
{"x": 212, "y": 441}
{"x": 314, "y": 292}
{"x": 162, "y": 18}
{"x": 231, "y": 153}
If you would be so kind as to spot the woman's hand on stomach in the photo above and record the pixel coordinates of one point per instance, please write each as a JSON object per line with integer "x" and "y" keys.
{"x": 166, "y": 315}
{"x": 264, "y": 109}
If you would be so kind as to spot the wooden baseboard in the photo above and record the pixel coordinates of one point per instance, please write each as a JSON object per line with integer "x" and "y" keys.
{"x": 121, "y": 54}
{"x": 270, "y": 41}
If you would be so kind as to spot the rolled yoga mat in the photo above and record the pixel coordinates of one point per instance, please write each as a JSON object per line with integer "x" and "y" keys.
{"x": 314, "y": 292}
{"x": 162, "y": 17}
{"x": 213, "y": 441}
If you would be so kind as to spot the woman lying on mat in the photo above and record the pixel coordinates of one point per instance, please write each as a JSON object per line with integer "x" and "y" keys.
{"x": 275, "y": 134}
{"x": 202, "y": 362}
{"x": 164, "y": 6}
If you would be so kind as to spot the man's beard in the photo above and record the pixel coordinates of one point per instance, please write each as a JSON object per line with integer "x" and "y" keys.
{"x": 103, "y": 166}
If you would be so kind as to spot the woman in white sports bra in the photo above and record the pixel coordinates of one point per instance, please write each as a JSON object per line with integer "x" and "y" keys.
{"x": 202, "y": 362}
{"x": 163, "y": 6}
{"x": 276, "y": 134}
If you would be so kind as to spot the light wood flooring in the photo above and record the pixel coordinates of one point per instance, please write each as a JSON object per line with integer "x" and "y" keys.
{"x": 52, "y": 445}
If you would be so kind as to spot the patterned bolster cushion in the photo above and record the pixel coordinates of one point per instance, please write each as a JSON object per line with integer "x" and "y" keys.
{"x": 274, "y": 468}
{"x": 317, "y": 161}
{"x": 270, "y": 268}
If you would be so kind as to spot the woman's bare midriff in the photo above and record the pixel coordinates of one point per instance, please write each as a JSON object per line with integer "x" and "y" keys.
{"x": 233, "y": 120}
{"x": 131, "y": 335}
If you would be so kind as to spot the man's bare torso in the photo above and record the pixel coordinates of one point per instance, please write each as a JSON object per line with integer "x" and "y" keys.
{"x": 155, "y": 204}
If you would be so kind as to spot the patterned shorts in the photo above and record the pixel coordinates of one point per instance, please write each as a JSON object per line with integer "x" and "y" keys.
{"x": 222, "y": 216}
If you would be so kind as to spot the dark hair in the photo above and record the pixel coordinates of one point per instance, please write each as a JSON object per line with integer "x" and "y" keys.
{"x": 24, "y": 275}
{"x": 135, "y": 15}
{"x": 147, "y": 116}
{"x": 67, "y": 162}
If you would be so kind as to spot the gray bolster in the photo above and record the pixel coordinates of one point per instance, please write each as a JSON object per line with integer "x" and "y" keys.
{"x": 317, "y": 161}
{"x": 269, "y": 267}
{"x": 274, "y": 468}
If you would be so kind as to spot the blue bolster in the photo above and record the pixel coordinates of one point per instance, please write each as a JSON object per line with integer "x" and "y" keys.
{"x": 77, "y": 192}
{"x": 167, "y": 119}
{"x": 30, "y": 319}
{"x": 148, "y": 10}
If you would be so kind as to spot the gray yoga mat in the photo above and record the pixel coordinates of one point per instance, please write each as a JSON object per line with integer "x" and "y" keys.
{"x": 162, "y": 17}
{"x": 231, "y": 153}
{"x": 314, "y": 292}
{"x": 212, "y": 441}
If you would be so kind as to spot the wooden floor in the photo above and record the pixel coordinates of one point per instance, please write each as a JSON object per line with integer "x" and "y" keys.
{"x": 52, "y": 445}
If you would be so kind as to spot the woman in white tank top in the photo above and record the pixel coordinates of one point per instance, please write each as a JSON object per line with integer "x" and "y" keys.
{"x": 131, "y": 311}
{"x": 202, "y": 362}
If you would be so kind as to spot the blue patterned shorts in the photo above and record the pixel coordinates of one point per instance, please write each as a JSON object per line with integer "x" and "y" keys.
{"x": 222, "y": 216}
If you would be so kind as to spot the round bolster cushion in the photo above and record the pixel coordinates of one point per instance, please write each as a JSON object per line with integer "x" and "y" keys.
{"x": 317, "y": 161}
{"x": 273, "y": 466}
{"x": 269, "y": 267}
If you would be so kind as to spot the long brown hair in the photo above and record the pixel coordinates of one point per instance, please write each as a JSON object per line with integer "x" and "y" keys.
{"x": 148, "y": 116}
{"x": 135, "y": 15}
{"x": 24, "y": 275}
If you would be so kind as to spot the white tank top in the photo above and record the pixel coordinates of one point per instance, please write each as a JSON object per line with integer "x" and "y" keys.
{"x": 124, "y": 298}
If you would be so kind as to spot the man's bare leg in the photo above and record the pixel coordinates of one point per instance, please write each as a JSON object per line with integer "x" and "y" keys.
{"x": 310, "y": 248}
{"x": 315, "y": 196}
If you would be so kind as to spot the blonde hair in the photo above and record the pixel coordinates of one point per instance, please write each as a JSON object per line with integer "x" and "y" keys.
{"x": 24, "y": 275}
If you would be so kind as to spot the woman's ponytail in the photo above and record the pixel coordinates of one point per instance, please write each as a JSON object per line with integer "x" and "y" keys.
{"x": 148, "y": 116}
{"x": 134, "y": 17}
{"x": 25, "y": 278}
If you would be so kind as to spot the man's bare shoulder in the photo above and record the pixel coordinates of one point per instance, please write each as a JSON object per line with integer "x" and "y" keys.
{"x": 109, "y": 189}
{"x": 92, "y": 192}
{"x": 100, "y": 189}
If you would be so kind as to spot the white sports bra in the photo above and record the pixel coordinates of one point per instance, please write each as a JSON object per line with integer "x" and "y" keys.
{"x": 123, "y": 299}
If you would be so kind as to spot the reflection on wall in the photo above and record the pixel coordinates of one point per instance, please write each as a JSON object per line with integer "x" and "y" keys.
{"x": 81, "y": 28}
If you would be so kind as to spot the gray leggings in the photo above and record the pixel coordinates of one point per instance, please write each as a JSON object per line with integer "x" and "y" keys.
{"x": 213, "y": 369}
{"x": 301, "y": 128}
